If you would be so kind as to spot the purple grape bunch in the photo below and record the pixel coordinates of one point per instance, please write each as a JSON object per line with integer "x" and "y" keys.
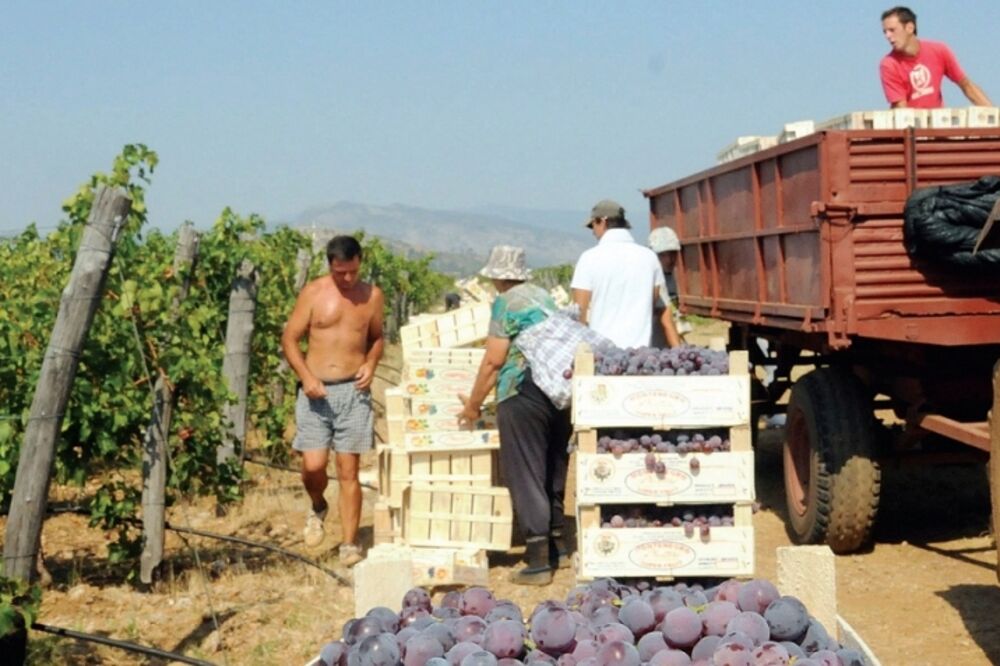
{"x": 619, "y": 442}
{"x": 683, "y": 360}
{"x": 601, "y": 623}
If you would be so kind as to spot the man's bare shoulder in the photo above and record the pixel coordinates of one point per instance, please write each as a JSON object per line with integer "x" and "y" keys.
{"x": 315, "y": 287}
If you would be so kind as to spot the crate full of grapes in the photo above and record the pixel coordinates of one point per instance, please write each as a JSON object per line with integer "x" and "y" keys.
{"x": 660, "y": 388}
{"x": 665, "y": 542}
{"x": 672, "y": 467}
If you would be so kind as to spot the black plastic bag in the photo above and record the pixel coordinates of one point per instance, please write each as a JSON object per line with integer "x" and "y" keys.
{"x": 942, "y": 224}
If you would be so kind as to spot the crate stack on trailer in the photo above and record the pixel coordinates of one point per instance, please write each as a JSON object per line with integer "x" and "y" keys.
{"x": 696, "y": 482}
{"x": 439, "y": 495}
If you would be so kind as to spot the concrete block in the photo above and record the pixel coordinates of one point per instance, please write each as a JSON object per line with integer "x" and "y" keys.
{"x": 809, "y": 573}
{"x": 382, "y": 578}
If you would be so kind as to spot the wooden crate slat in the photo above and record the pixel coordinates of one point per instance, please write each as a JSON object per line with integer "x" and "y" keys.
{"x": 399, "y": 468}
{"x": 452, "y": 440}
{"x": 462, "y": 505}
{"x": 397, "y": 403}
{"x": 459, "y": 466}
{"x": 416, "y": 525}
{"x": 719, "y": 478}
{"x": 449, "y": 356}
{"x": 481, "y": 530}
{"x": 441, "y": 516}
{"x": 503, "y": 531}
{"x": 488, "y": 518}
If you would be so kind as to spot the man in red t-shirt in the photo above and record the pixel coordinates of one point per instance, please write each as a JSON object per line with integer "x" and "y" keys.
{"x": 912, "y": 72}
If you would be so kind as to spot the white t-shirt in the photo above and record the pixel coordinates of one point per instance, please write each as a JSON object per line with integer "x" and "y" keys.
{"x": 620, "y": 275}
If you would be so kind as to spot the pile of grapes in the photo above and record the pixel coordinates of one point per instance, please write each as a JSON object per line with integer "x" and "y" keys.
{"x": 650, "y": 515}
{"x": 620, "y": 442}
{"x": 684, "y": 360}
{"x": 601, "y": 624}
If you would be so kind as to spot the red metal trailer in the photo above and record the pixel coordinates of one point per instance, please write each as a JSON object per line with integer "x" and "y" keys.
{"x": 802, "y": 245}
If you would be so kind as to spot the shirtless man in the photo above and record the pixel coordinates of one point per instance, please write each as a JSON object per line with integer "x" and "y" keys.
{"x": 343, "y": 319}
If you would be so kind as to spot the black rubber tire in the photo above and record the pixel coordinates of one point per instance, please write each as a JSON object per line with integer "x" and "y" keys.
{"x": 832, "y": 477}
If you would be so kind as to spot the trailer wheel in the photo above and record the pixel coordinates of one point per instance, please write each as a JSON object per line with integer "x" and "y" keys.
{"x": 832, "y": 479}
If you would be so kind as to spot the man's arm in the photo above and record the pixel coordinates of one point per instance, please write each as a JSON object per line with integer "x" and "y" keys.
{"x": 486, "y": 379}
{"x": 376, "y": 341}
{"x": 296, "y": 327}
{"x": 974, "y": 93}
{"x": 582, "y": 298}
{"x": 670, "y": 333}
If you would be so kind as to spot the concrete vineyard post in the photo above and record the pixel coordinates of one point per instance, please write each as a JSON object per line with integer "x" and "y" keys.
{"x": 236, "y": 363}
{"x": 154, "y": 447}
{"x": 77, "y": 305}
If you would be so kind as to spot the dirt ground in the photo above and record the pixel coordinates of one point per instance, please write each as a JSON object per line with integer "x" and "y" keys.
{"x": 926, "y": 593}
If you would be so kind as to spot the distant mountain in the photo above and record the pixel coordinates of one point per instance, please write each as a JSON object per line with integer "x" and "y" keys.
{"x": 570, "y": 221}
{"x": 461, "y": 240}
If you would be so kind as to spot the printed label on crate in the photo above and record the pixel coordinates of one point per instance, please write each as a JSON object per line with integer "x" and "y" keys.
{"x": 722, "y": 477}
{"x": 443, "y": 373}
{"x": 458, "y": 439}
{"x": 728, "y": 551}
{"x": 431, "y": 407}
{"x": 661, "y": 401}
{"x": 445, "y": 422}
{"x": 447, "y": 566}
{"x": 435, "y": 387}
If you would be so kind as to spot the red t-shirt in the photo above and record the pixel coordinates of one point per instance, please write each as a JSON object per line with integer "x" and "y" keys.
{"x": 917, "y": 79}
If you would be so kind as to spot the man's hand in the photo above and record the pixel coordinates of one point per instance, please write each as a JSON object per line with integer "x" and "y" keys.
{"x": 313, "y": 388}
{"x": 364, "y": 377}
{"x": 470, "y": 413}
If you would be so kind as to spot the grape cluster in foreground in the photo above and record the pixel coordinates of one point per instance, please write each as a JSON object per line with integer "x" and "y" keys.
{"x": 605, "y": 623}
{"x": 620, "y": 441}
{"x": 684, "y": 360}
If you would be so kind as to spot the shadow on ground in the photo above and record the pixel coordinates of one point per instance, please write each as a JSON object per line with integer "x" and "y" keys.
{"x": 979, "y": 606}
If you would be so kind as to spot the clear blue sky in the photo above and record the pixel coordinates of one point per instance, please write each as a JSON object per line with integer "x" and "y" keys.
{"x": 276, "y": 107}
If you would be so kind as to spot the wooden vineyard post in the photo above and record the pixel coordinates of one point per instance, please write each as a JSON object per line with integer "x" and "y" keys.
{"x": 154, "y": 447}
{"x": 77, "y": 305}
{"x": 236, "y": 363}
{"x": 995, "y": 461}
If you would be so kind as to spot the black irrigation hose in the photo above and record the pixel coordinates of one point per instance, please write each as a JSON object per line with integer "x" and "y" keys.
{"x": 258, "y": 544}
{"x": 123, "y": 645}
{"x": 224, "y": 537}
{"x": 284, "y": 468}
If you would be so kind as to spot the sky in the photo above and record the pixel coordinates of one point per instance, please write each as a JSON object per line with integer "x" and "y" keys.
{"x": 274, "y": 108}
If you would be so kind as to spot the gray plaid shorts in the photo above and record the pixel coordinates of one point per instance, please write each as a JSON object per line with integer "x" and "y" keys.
{"x": 342, "y": 420}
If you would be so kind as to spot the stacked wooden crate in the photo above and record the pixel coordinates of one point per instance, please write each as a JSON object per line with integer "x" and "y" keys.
{"x": 687, "y": 481}
{"x": 438, "y": 492}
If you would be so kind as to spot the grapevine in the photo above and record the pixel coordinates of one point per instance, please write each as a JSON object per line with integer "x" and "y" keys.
{"x": 111, "y": 400}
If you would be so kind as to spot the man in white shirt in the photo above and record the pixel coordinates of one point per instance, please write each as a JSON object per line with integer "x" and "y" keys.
{"x": 616, "y": 283}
